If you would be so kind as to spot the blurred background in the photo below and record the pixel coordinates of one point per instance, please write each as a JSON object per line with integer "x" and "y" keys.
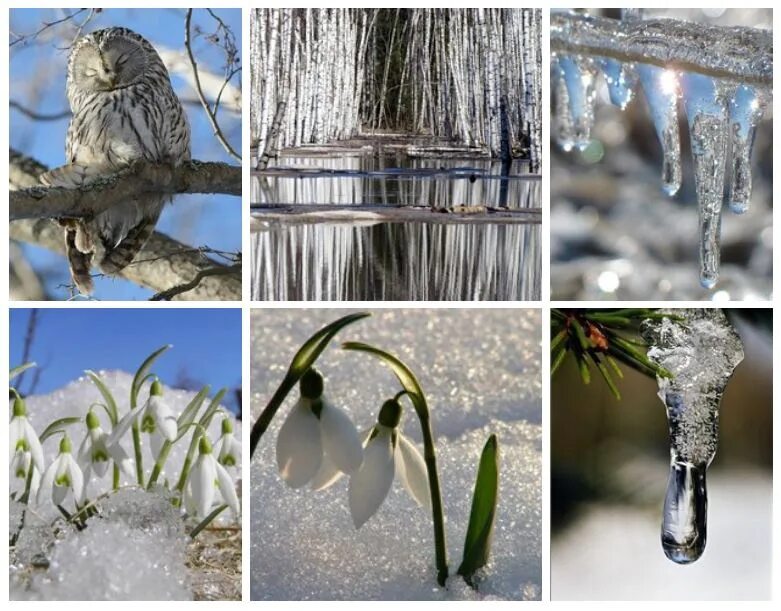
{"x": 64, "y": 342}
{"x": 609, "y": 468}
{"x": 615, "y": 235}
{"x": 40, "y": 41}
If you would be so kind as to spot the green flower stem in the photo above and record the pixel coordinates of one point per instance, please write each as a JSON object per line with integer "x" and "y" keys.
{"x": 303, "y": 360}
{"x": 115, "y": 478}
{"x": 413, "y": 390}
{"x": 158, "y": 468}
{"x": 207, "y": 520}
{"x": 137, "y": 450}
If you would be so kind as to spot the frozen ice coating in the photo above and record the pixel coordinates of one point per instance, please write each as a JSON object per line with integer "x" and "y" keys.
{"x": 661, "y": 92}
{"x": 701, "y": 351}
{"x": 722, "y": 107}
{"x": 480, "y": 371}
{"x": 706, "y": 110}
{"x": 579, "y": 76}
{"x": 620, "y": 81}
{"x": 745, "y": 110}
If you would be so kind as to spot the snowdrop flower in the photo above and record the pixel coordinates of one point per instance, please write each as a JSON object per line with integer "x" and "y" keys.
{"x": 205, "y": 478}
{"x": 98, "y": 448}
{"x": 157, "y": 419}
{"x": 388, "y": 453}
{"x": 21, "y": 463}
{"x": 227, "y": 448}
{"x": 62, "y": 475}
{"x": 23, "y": 436}
{"x": 316, "y": 437}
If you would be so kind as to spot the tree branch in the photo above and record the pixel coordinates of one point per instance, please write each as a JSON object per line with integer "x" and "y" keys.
{"x": 738, "y": 53}
{"x": 107, "y": 191}
{"x": 162, "y": 263}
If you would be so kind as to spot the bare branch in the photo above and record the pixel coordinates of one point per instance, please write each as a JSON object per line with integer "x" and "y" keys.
{"x": 163, "y": 262}
{"x": 739, "y": 53}
{"x": 105, "y": 192}
{"x": 199, "y": 90}
{"x": 169, "y": 294}
{"x": 39, "y": 116}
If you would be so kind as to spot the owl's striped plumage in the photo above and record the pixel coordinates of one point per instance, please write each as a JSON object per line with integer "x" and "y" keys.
{"x": 124, "y": 109}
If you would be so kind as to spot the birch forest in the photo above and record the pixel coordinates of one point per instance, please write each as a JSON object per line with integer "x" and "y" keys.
{"x": 466, "y": 78}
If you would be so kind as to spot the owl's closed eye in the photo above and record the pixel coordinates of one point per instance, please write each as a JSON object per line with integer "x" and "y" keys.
{"x": 115, "y": 64}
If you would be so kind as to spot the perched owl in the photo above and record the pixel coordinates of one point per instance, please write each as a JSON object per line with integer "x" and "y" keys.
{"x": 124, "y": 109}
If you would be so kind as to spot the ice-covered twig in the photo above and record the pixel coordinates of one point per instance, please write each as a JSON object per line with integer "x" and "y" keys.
{"x": 739, "y": 53}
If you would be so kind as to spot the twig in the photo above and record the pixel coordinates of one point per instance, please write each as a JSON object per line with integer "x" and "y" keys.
{"x": 106, "y": 191}
{"x": 39, "y": 116}
{"x": 169, "y": 294}
{"x": 46, "y": 26}
{"x": 737, "y": 53}
{"x": 199, "y": 90}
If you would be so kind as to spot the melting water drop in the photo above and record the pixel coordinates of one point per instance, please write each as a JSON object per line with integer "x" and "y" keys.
{"x": 706, "y": 110}
{"x": 660, "y": 87}
{"x": 620, "y": 81}
{"x": 701, "y": 350}
{"x": 577, "y": 79}
{"x": 745, "y": 111}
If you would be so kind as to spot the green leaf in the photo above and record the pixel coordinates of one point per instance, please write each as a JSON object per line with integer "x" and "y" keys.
{"x": 142, "y": 371}
{"x": 57, "y": 426}
{"x": 17, "y": 370}
{"x": 314, "y": 346}
{"x": 405, "y": 376}
{"x": 207, "y": 520}
{"x": 557, "y": 360}
{"x": 479, "y": 534}
{"x": 606, "y": 375}
{"x": 189, "y": 412}
{"x": 111, "y": 404}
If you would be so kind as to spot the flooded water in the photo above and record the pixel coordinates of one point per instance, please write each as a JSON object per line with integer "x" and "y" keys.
{"x": 379, "y": 260}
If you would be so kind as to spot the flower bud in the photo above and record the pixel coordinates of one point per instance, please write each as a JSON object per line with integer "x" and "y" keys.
{"x": 92, "y": 421}
{"x": 65, "y": 445}
{"x": 204, "y": 446}
{"x": 227, "y": 426}
{"x": 156, "y": 389}
{"x": 311, "y": 384}
{"x": 390, "y": 414}
{"x": 20, "y": 409}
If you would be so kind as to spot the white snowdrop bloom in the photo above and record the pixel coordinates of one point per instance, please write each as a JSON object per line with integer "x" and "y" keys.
{"x": 388, "y": 454}
{"x": 20, "y": 465}
{"x": 227, "y": 448}
{"x": 23, "y": 436}
{"x": 316, "y": 435}
{"x": 62, "y": 476}
{"x": 158, "y": 419}
{"x": 206, "y": 477}
{"x": 98, "y": 448}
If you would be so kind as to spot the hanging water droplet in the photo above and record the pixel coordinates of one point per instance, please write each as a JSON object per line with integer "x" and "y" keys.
{"x": 745, "y": 110}
{"x": 660, "y": 87}
{"x": 700, "y": 350}
{"x": 706, "y": 112}
{"x": 579, "y": 79}
{"x": 620, "y": 81}
{"x": 685, "y": 513}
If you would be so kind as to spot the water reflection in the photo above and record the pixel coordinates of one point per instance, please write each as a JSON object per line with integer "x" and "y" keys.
{"x": 401, "y": 181}
{"x": 396, "y": 261}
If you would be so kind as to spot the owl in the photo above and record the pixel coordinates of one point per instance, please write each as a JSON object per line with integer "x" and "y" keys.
{"x": 124, "y": 109}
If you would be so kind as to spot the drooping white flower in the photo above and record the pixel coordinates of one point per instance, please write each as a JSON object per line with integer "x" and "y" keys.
{"x": 227, "y": 448}
{"x": 205, "y": 479}
{"x": 388, "y": 454}
{"x": 62, "y": 476}
{"x": 98, "y": 448}
{"x": 23, "y": 435}
{"x": 158, "y": 419}
{"x": 21, "y": 463}
{"x": 316, "y": 435}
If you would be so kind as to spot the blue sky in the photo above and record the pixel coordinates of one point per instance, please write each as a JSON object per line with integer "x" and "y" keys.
{"x": 206, "y": 344}
{"x": 37, "y": 78}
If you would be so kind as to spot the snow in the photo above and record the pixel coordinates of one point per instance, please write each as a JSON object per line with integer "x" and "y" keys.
{"x": 135, "y": 548}
{"x": 480, "y": 370}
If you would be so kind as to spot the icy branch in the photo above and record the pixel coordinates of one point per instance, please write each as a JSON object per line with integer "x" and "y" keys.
{"x": 738, "y": 53}
{"x": 105, "y": 192}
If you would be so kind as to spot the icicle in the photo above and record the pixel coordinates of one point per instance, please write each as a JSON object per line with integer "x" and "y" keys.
{"x": 579, "y": 77}
{"x": 564, "y": 129}
{"x": 706, "y": 112}
{"x": 746, "y": 110}
{"x": 620, "y": 81}
{"x": 701, "y": 350}
{"x": 661, "y": 91}
{"x": 632, "y": 14}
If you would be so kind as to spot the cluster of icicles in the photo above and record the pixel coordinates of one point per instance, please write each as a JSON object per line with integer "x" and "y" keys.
{"x": 722, "y": 117}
